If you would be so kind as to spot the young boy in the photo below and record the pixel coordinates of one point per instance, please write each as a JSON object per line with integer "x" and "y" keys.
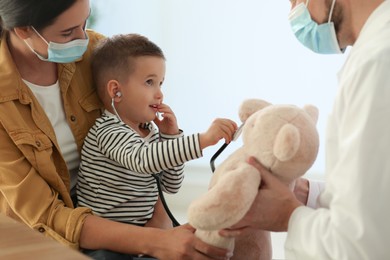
{"x": 124, "y": 147}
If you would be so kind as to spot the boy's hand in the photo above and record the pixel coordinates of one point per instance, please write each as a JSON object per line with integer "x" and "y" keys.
{"x": 221, "y": 128}
{"x": 168, "y": 123}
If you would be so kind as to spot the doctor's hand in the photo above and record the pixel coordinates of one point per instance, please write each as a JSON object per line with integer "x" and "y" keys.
{"x": 301, "y": 190}
{"x": 271, "y": 209}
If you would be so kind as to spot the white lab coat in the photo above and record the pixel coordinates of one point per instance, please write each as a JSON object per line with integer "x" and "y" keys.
{"x": 353, "y": 221}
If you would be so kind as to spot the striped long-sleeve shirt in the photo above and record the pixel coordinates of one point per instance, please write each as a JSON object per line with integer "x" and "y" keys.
{"x": 115, "y": 178}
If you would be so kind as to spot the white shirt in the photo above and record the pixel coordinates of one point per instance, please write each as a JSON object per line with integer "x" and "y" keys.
{"x": 353, "y": 219}
{"x": 49, "y": 97}
{"x": 315, "y": 189}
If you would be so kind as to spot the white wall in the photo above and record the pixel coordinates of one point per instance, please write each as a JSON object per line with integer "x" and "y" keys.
{"x": 220, "y": 52}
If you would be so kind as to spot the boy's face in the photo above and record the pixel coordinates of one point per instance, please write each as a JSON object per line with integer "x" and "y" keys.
{"x": 142, "y": 92}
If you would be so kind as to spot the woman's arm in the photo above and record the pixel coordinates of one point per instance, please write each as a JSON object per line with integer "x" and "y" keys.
{"x": 176, "y": 243}
{"x": 160, "y": 217}
{"x": 41, "y": 199}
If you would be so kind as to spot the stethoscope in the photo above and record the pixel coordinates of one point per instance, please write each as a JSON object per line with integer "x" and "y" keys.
{"x": 212, "y": 166}
{"x": 223, "y": 147}
{"x": 158, "y": 176}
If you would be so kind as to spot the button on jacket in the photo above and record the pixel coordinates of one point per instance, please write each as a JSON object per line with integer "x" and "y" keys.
{"x": 34, "y": 179}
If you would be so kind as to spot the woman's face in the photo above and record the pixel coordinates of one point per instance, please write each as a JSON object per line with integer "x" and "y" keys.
{"x": 68, "y": 26}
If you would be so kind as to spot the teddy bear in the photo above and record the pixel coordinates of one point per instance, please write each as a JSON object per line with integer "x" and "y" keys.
{"x": 284, "y": 139}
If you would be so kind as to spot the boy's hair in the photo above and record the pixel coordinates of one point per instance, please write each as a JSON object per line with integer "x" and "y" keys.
{"x": 113, "y": 58}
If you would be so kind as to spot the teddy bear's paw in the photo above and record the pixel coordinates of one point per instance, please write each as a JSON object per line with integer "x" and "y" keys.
{"x": 227, "y": 201}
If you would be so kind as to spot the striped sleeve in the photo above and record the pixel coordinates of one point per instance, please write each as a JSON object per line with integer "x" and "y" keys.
{"x": 123, "y": 145}
{"x": 172, "y": 178}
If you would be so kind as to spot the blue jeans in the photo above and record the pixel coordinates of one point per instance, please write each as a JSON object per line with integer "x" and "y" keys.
{"x": 110, "y": 255}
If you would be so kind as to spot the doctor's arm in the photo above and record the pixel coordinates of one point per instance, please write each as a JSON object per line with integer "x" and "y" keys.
{"x": 275, "y": 203}
{"x": 272, "y": 207}
{"x": 307, "y": 191}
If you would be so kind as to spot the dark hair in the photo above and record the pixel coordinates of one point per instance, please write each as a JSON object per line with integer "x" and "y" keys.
{"x": 36, "y": 13}
{"x": 113, "y": 58}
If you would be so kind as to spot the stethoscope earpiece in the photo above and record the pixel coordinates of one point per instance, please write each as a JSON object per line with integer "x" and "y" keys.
{"x": 117, "y": 94}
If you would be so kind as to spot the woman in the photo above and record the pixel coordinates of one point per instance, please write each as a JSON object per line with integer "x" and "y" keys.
{"x": 47, "y": 105}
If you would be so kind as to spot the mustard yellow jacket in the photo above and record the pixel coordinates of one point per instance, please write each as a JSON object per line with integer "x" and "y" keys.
{"x": 34, "y": 179}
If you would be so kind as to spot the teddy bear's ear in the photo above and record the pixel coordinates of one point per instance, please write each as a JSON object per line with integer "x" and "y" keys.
{"x": 312, "y": 111}
{"x": 286, "y": 142}
{"x": 250, "y": 106}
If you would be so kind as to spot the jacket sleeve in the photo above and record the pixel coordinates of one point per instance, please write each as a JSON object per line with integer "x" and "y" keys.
{"x": 34, "y": 180}
{"x": 40, "y": 199}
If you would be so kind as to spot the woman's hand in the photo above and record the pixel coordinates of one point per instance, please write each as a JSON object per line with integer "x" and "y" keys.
{"x": 165, "y": 244}
{"x": 181, "y": 243}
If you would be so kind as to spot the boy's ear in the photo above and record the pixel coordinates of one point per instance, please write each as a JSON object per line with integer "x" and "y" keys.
{"x": 23, "y": 32}
{"x": 113, "y": 88}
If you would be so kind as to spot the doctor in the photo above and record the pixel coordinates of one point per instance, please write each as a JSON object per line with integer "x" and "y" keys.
{"x": 352, "y": 216}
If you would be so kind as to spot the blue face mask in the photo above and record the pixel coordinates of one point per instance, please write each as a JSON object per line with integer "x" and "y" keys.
{"x": 63, "y": 52}
{"x": 318, "y": 38}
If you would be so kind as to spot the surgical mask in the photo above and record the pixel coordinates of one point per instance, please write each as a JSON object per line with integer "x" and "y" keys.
{"x": 320, "y": 38}
{"x": 62, "y": 52}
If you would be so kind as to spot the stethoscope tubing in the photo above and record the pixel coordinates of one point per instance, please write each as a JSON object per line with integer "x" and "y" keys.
{"x": 175, "y": 223}
{"x": 212, "y": 165}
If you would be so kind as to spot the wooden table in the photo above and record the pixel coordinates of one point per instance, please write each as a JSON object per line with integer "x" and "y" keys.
{"x": 17, "y": 241}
